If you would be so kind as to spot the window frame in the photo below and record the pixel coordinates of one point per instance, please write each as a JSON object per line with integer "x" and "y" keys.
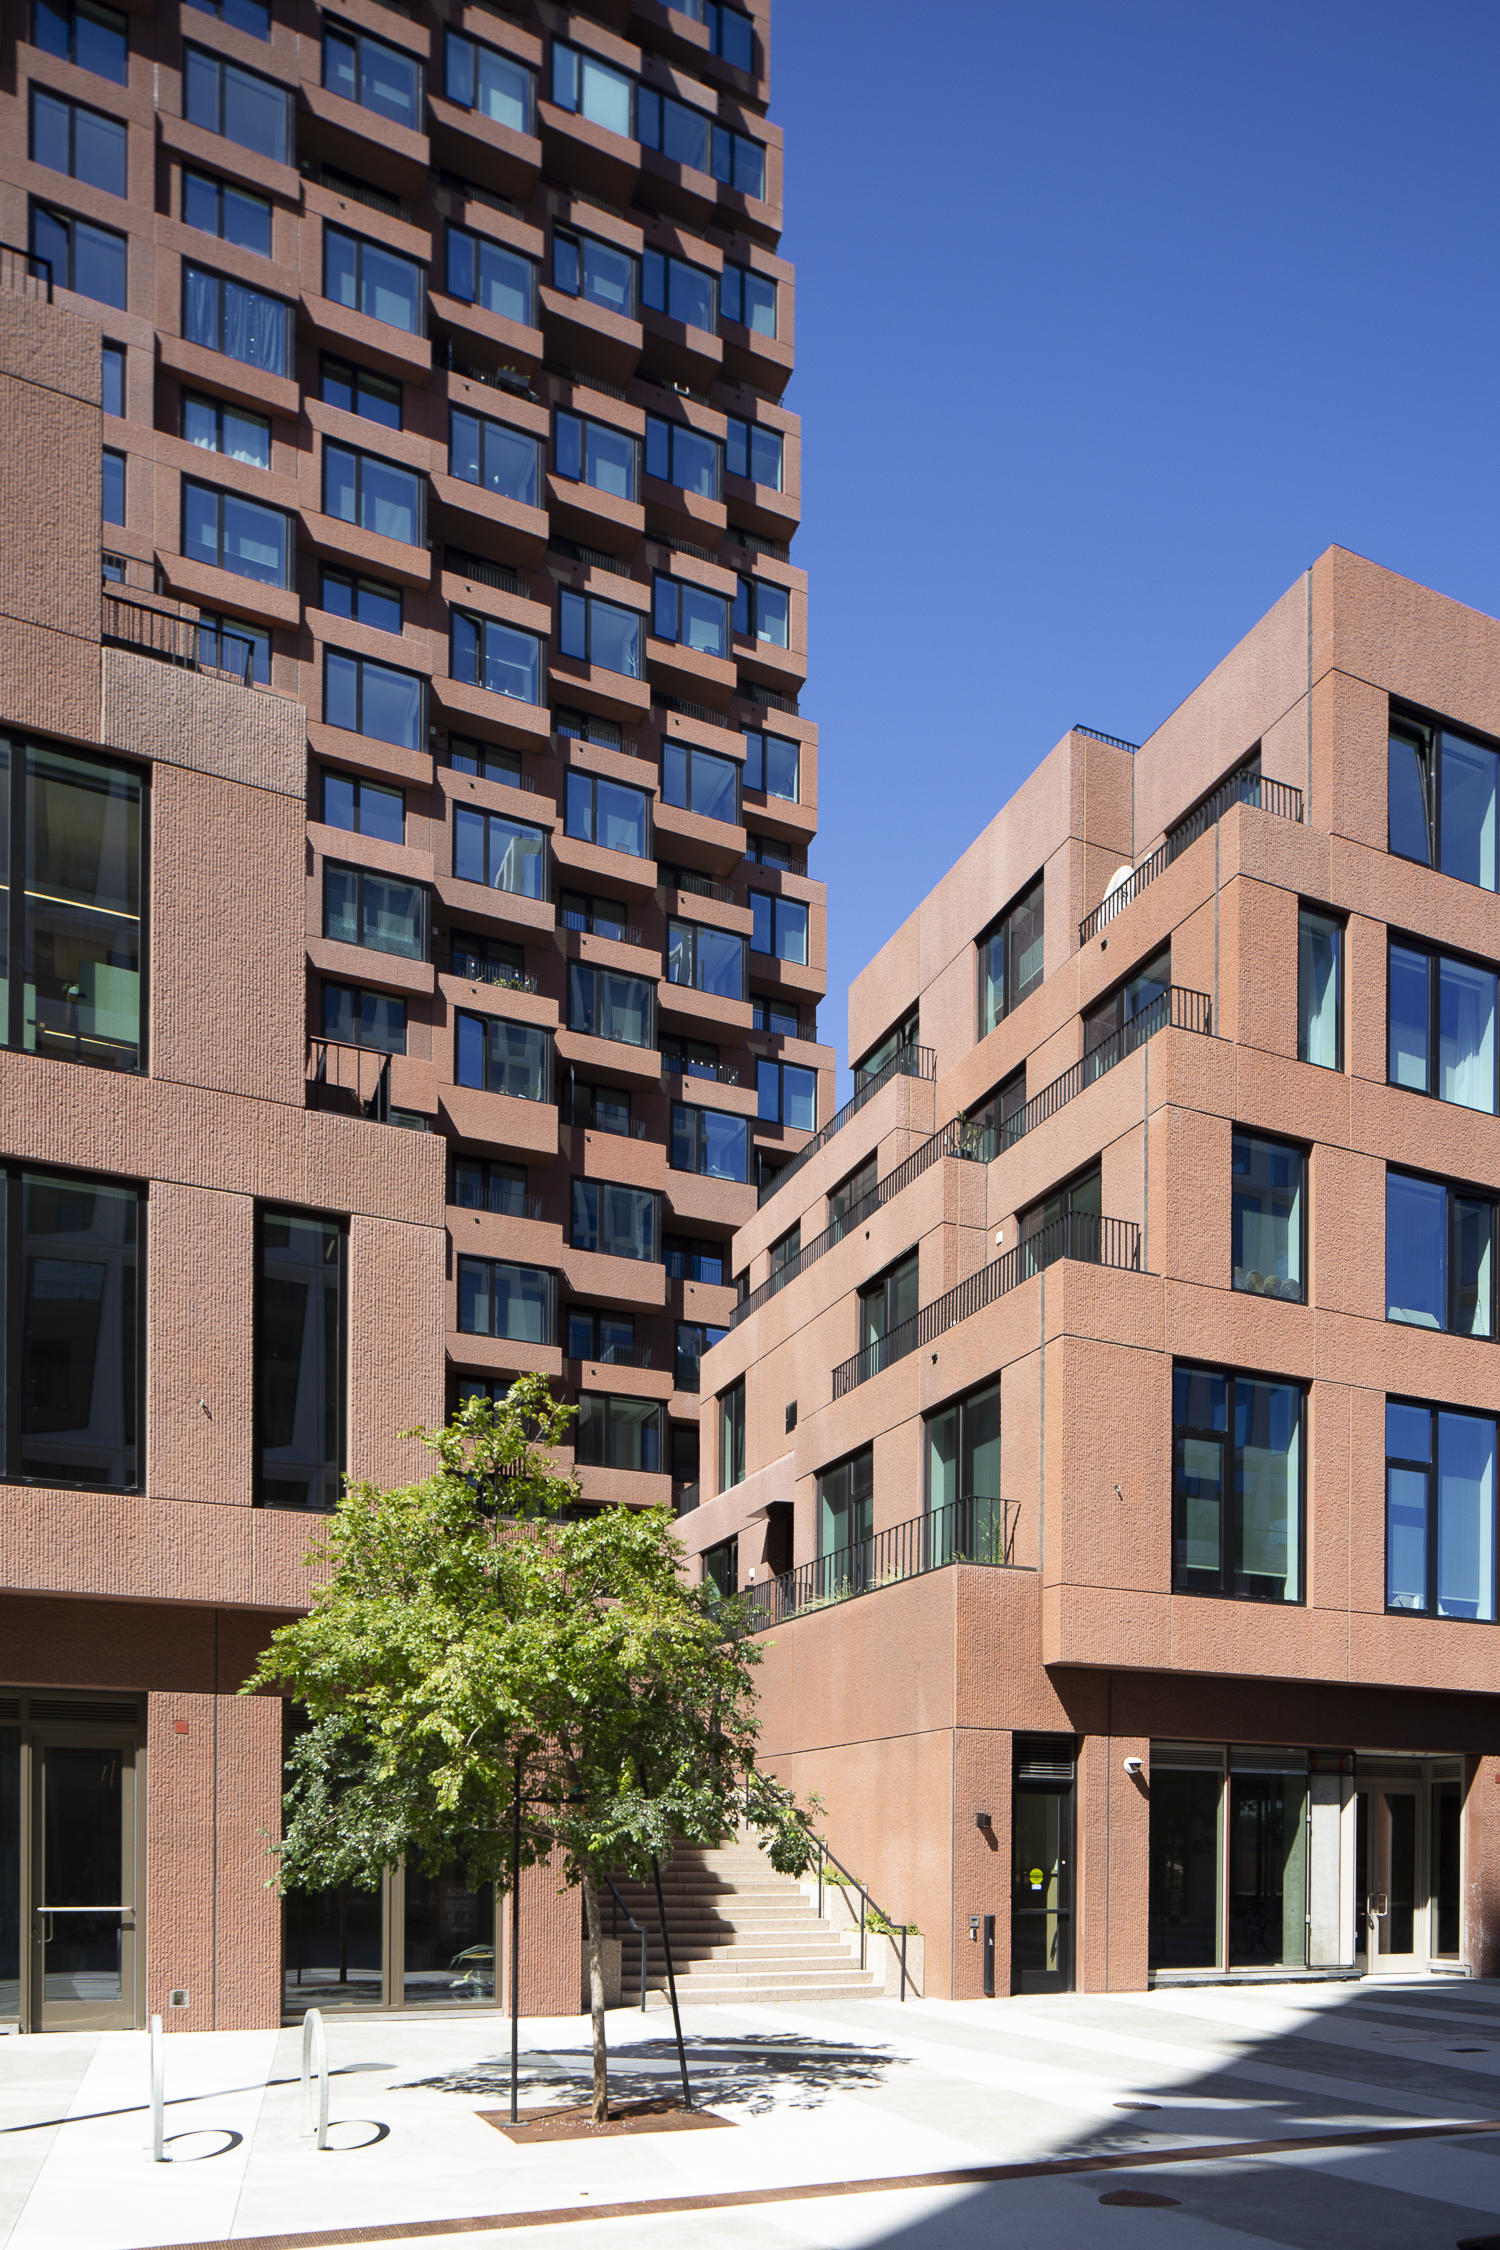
{"x": 69, "y": 222}
{"x": 691, "y": 984}
{"x": 756, "y": 759}
{"x": 590, "y": 603}
{"x": 363, "y": 459}
{"x": 1299, "y": 1149}
{"x": 482, "y": 1017}
{"x": 584, "y": 1185}
{"x": 1435, "y": 956}
{"x": 579, "y": 240}
{"x": 332, "y": 232}
{"x": 457, "y": 236}
{"x": 607, "y": 1399}
{"x": 222, "y": 282}
{"x": 359, "y": 992}
{"x": 38, "y": 90}
{"x": 1431, "y": 1469}
{"x": 776, "y": 901}
{"x": 674, "y": 429}
{"x": 69, "y": 53}
{"x": 577, "y": 970}
{"x": 222, "y": 66}
{"x": 459, "y": 101}
{"x": 265, "y": 1209}
{"x": 732, "y": 1426}
{"x": 746, "y": 613}
{"x": 710, "y": 1333}
{"x": 663, "y": 579}
{"x": 547, "y": 1342}
{"x": 358, "y": 782}
{"x": 221, "y": 188}
{"x": 734, "y": 443}
{"x": 575, "y": 778}
{"x": 361, "y": 664}
{"x": 491, "y": 859}
{"x": 1309, "y": 912}
{"x": 691, "y": 753}
{"x": 478, "y": 623}
{"x": 743, "y": 275}
{"x": 329, "y": 362}
{"x": 1005, "y": 929}
{"x": 483, "y": 425}
{"x": 361, "y": 875}
{"x": 766, "y": 1063}
{"x": 1426, "y": 732}
{"x": 358, "y": 38}
{"x": 1453, "y": 1191}
{"x": 693, "y": 1127}
{"x": 1231, "y": 1539}
{"x": 220, "y": 494}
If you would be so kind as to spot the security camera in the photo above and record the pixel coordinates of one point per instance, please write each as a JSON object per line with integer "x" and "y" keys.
{"x": 1133, "y": 1767}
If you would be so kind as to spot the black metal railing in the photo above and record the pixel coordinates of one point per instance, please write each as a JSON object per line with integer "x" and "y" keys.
{"x": 358, "y": 191}
{"x": 613, "y": 1355}
{"x": 355, "y": 1081}
{"x": 172, "y": 639}
{"x": 768, "y": 698}
{"x": 692, "y": 1265}
{"x": 969, "y": 1530}
{"x": 701, "y": 886}
{"x": 490, "y": 972}
{"x": 620, "y": 932}
{"x": 908, "y": 1062}
{"x": 1078, "y": 1234}
{"x": 1177, "y": 1009}
{"x": 869, "y": 1912}
{"x": 24, "y": 274}
{"x": 1096, "y": 734}
{"x": 595, "y": 557}
{"x": 717, "y": 1074}
{"x": 768, "y": 853}
{"x": 617, "y": 1906}
{"x": 485, "y": 573}
{"x": 619, "y": 1128}
{"x": 507, "y": 1201}
{"x": 1240, "y": 789}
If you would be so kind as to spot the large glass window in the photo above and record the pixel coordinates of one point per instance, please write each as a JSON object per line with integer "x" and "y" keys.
{"x": 504, "y": 1058}
{"x": 358, "y": 391}
{"x": 730, "y": 33}
{"x": 86, "y": 33}
{"x": 772, "y": 764}
{"x": 235, "y": 534}
{"x": 693, "y": 1339}
{"x": 763, "y": 612}
{"x": 593, "y": 916}
{"x": 70, "y": 928}
{"x": 379, "y": 77}
{"x": 600, "y": 632}
{"x": 87, "y": 259}
{"x": 732, "y": 1435}
{"x": 377, "y": 495}
{"x": 708, "y": 960}
{"x": 609, "y": 813}
{"x": 606, "y": 1337}
{"x": 84, "y": 143}
{"x": 846, "y": 1508}
{"x": 251, "y": 16}
{"x": 374, "y": 699}
{"x": 1442, "y": 1026}
{"x": 356, "y": 1018}
{"x": 492, "y": 454}
{"x": 1439, "y": 1256}
{"x": 1185, "y": 1859}
{"x": 619, "y": 1433}
{"x": 700, "y": 781}
{"x": 361, "y": 907}
{"x": 592, "y": 89}
{"x": 486, "y": 273}
{"x": 600, "y": 274}
{"x": 491, "y": 1185}
{"x": 753, "y": 451}
{"x": 301, "y": 1347}
{"x": 244, "y": 324}
{"x": 616, "y": 1222}
{"x": 504, "y": 854}
{"x": 888, "y": 1302}
{"x": 684, "y": 457}
{"x": 709, "y": 1141}
{"x": 234, "y": 431}
{"x": 1441, "y": 805}
{"x": 1320, "y": 1000}
{"x": 364, "y": 601}
{"x": 687, "y": 136}
{"x": 497, "y": 1299}
{"x": 605, "y": 1005}
{"x": 224, "y": 97}
{"x": 233, "y": 213}
{"x": 786, "y": 1094}
{"x": 112, "y": 482}
{"x": 691, "y": 616}
{"x": 499, "y": 658}
{"x": 684, "y": 293}
{"x": 1267, "y": 1179}
{"x": 1237, "y": 1486}
{"x": 1440, "y": 1511}
{"x": 897, "y": 1040}
{"x": 1133, "y": 1011}
{"x": 963, "y": 1473}
{"x": 596, "y": 453}
{"x": 375, "y": 281}
{"x": 1010, "y": 959}
{"x": 600, "y": 1109}
{"x": 73, "y": 1312}
{"x": 481, "y": 78}
{"x": 749, "y": 298}
{"x": 778, "y": 926}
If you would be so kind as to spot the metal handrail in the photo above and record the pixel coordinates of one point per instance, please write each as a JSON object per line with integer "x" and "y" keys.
{"x": 1117, "y": 741}
{"x": 974, "y": 1529}
{"x": 19, "y": 268}
{"x": 485, "y": 573}
{"x": 711, "y": 1074}
{"x": 1077, "y": 1234}
{"x": 681, "y": 1266}
{"x": 614, "y": 1355}
{"x": 1277, "y": 797}
{"x": 698, "y": 886}
{"x": 907, "y": 1062}
{"x": 1179, "y": 1008}
{"x": 866, "y": 1903}
{"x": 171, "y": 638}
{"x": 783, "y": 858}
{"x": 327, "y": 1077}
{"x": 491, "y": 972}
{"x": 570, "y": 919}
{"x": 617, "y": 1901}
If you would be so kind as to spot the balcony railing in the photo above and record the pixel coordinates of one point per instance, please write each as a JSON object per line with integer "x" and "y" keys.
{"x": 1240, "y": 789}
{"x": 701, "y": 886}
{"x": 718, "y": 1074}
{"x": 613, "y": 1355}
{"x": 692, "y": 1265}
{"x": 768, "y": 853}
{"x": 23, "y": 274}
{"x": 909, "y": 1062}
{"x": 354, "y": 1081}
{"x": 1177, "y": 1009}
{"x": 1095, "y": 1241}
{"x": 171, "y": 639}
{"x": 490, "y": 972}
{"x": 486, "y": 573}
{"x": 969, "y": 1531}
{"x": 359, "y": 191}
{"x": 570, "y": 919}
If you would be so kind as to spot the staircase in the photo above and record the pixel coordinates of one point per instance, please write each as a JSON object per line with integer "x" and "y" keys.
{"x": 740, "y": 1932}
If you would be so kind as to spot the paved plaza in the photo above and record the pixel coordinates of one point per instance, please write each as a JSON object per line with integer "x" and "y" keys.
{"x": 1320, "y": 2114}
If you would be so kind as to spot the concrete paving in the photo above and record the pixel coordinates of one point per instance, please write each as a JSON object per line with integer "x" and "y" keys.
{"x": 824, "y": 2098}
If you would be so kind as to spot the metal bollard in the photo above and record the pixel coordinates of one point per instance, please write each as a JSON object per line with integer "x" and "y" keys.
{"x": 314, "y": 2059}
{"x": 158, "y": 2091}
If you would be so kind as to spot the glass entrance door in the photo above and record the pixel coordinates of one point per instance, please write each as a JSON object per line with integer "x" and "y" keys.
{"x": 1387, "y": 1863}
{"x": 83, "y": 1915}
{"x": 1041, "y": 1887}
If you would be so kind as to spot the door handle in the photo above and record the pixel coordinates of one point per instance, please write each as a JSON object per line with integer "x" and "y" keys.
{"x": 1379, "y": 1906}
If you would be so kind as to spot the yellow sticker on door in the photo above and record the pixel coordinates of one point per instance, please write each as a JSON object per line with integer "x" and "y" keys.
{"x": 1036, "y": 1878}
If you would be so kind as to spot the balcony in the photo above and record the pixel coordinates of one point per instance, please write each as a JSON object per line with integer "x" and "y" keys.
{"x": 911, "y": 1062}
{"x": 1248, "y": 787}
{"x": 1095, "y": 1241}
{"x": 351, "y": 1081}
{"x": 1177, "y": 1009}
{"x": 975, "y": 1530}
{"x": 169, "y": 636}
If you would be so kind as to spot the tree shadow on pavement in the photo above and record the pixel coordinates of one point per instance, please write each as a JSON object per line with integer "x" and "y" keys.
{"x": 758, "y": 2073}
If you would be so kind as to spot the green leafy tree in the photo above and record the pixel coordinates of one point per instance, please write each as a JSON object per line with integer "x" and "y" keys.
{"x": 474, "y": 1649}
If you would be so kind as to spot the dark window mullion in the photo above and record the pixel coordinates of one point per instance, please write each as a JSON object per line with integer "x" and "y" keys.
{"x": 1432, "y": 1520}
{"x": 12, "y": 1317}
{"x": 18, "y": 858}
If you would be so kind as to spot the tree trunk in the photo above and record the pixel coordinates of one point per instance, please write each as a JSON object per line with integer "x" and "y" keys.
{"x": 594, "y": 1929}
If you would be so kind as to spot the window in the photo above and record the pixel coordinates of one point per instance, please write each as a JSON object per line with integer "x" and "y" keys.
{"x": 777, "y": 1017}
{"x": 694, "y": 1338}
{"x": 600, "y": 1109}
{"x": 591, "y": 89}
{"x": 355, "y": 1018}
{"x": 87, "y": 259}
{"x": 709, "y": 1141}
{"x": 595, "y": 271}
{"x": 687, "y": 136}
{"x": 587, "y": 726}
{"x": 378, "y": 911}
{"x": 231, "y": 430}
{"x": 367, "y": 601}
{"x": 480, "y": 1185}
{"x": 896, "y": 1041}
{"x": 609, "y": 813}
{"x": 84, "y": 143}
{"x": 1136, "y": 1009}
{"x": 605, "y": 1005}
{"x": 691, "y": 615}
{"x": 233, "y": 213}
{"x": 708, "y": 960}
{"x": 230, "y": 645}
{"x": 374, "y": 281}
{"x": 732, "y": 1435}
{"x": 846, "y": 1202}
{"x": 1320, "y": 1004}
{"x": 755, "y": 452}
{"x": 749, "y": 298}
{"x": 687, "y": 1260}
{"x": 379, "y": 77}
{"x": 1010, "y": 959}
{"x": 599, "y": 632}
{"x": 504, "y": 854}
{"x": 373, "y": 699}
{"x": 684, "y": 1437}
{"x": 487, "y": 759}
{"x": 683, "y": 292}
{"x": 357, "y": 391}
{"x": 1439, "y": 1256}
{"x": 616, "y": 1222}
{"x": 1440, "y": 1530}
{"x": 492, "y": 454}
{"x": 1269, "y": 1217}
{"x": 1441, "y": 808}
{"x": 700, "y": 781}
{"x": 112, "y": 493}
{"x": 778, "y": 926}
{"x": 73, "y": 1306}
{"x": 253, "y": 16}
{"x": 1442, "y": 1027}
{"x": 499, "y": 658}
{"x": 730, "y": 34}
{"x": 93, "y": 37}
{"x": 224, "y": 97}
{"x": 762, "y": 612}
{"x": 363, "y": 807}
{"x": 489, "y": 960}
{"x": 485, "y": 273}
{"x": 596, "y": 917}
{"x": 1237, "y": 1486}
{"x": 244, "y": 324}
{"x": 786, "y": 1094}
{"x": 846, "y": 1506}
{"x": 504, "y": 1058}
{"x": 618, "y": 1433}
{"x": 721, "y": 1569}
{"x": 787, "y": 1249}
{"x": 608, "y": 1337}
{"x": 481, "y": 78}
{"x": 112, "y": 378}
{"x": 771, "y": 764}
{"x": 1079, "y": 1199}
{"x": 886, "y": 1303}
{"x": 498, "y": 1299}
{"x": 684, "y": 457}
{"x": 690, "y": 1058}
{"x": 74, "y": 881}
{"x": 301, "y": 1345}
{"x": 235, "y": 534}
{"x": 596, "y": 453}
{"x": 963, "y": 1453}
{"x": 361, "y": 488}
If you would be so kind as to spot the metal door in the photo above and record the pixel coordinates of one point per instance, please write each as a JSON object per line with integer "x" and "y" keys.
{"x": 1391, "y": 1896}
{"x": 83, "y": 1914}
{"x": 1041, "y": 1888}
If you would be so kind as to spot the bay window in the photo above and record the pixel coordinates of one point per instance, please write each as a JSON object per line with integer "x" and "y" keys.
{"x": 379, "y": 912}
{"x": 379, "y": 496}
{"x": 684, "y": 293}
{"x": 504, "y": 854}
{"x": 709, "y": 1141}
{"x": 608, "y": 813}
{"x": 751, "y": 450}
{"x": 700, "y": 781}
{"x": 234, "y": 534}
{"x": 597, "y": 454}
{"x": 691, "y": 616}
{"x": 376, "y": 75}
{"x": 598, "y": 272}
{"x": 619, "y": 1433}
{"x": 499, "y": 658}
{"x": 378, "y": 700}
{"x": 487, "y": 273}
{"x": 778, "y": 926}
{"x": 496, "y": 1298}
{"x": 684, "y": 457}
{"x": 772, "y": 764}
{"x": 599, "y": 632}
{"x": 375, "y": 281}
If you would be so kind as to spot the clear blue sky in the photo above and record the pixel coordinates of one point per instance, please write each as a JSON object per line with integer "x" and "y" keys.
{"x": 1111, "y": 317}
